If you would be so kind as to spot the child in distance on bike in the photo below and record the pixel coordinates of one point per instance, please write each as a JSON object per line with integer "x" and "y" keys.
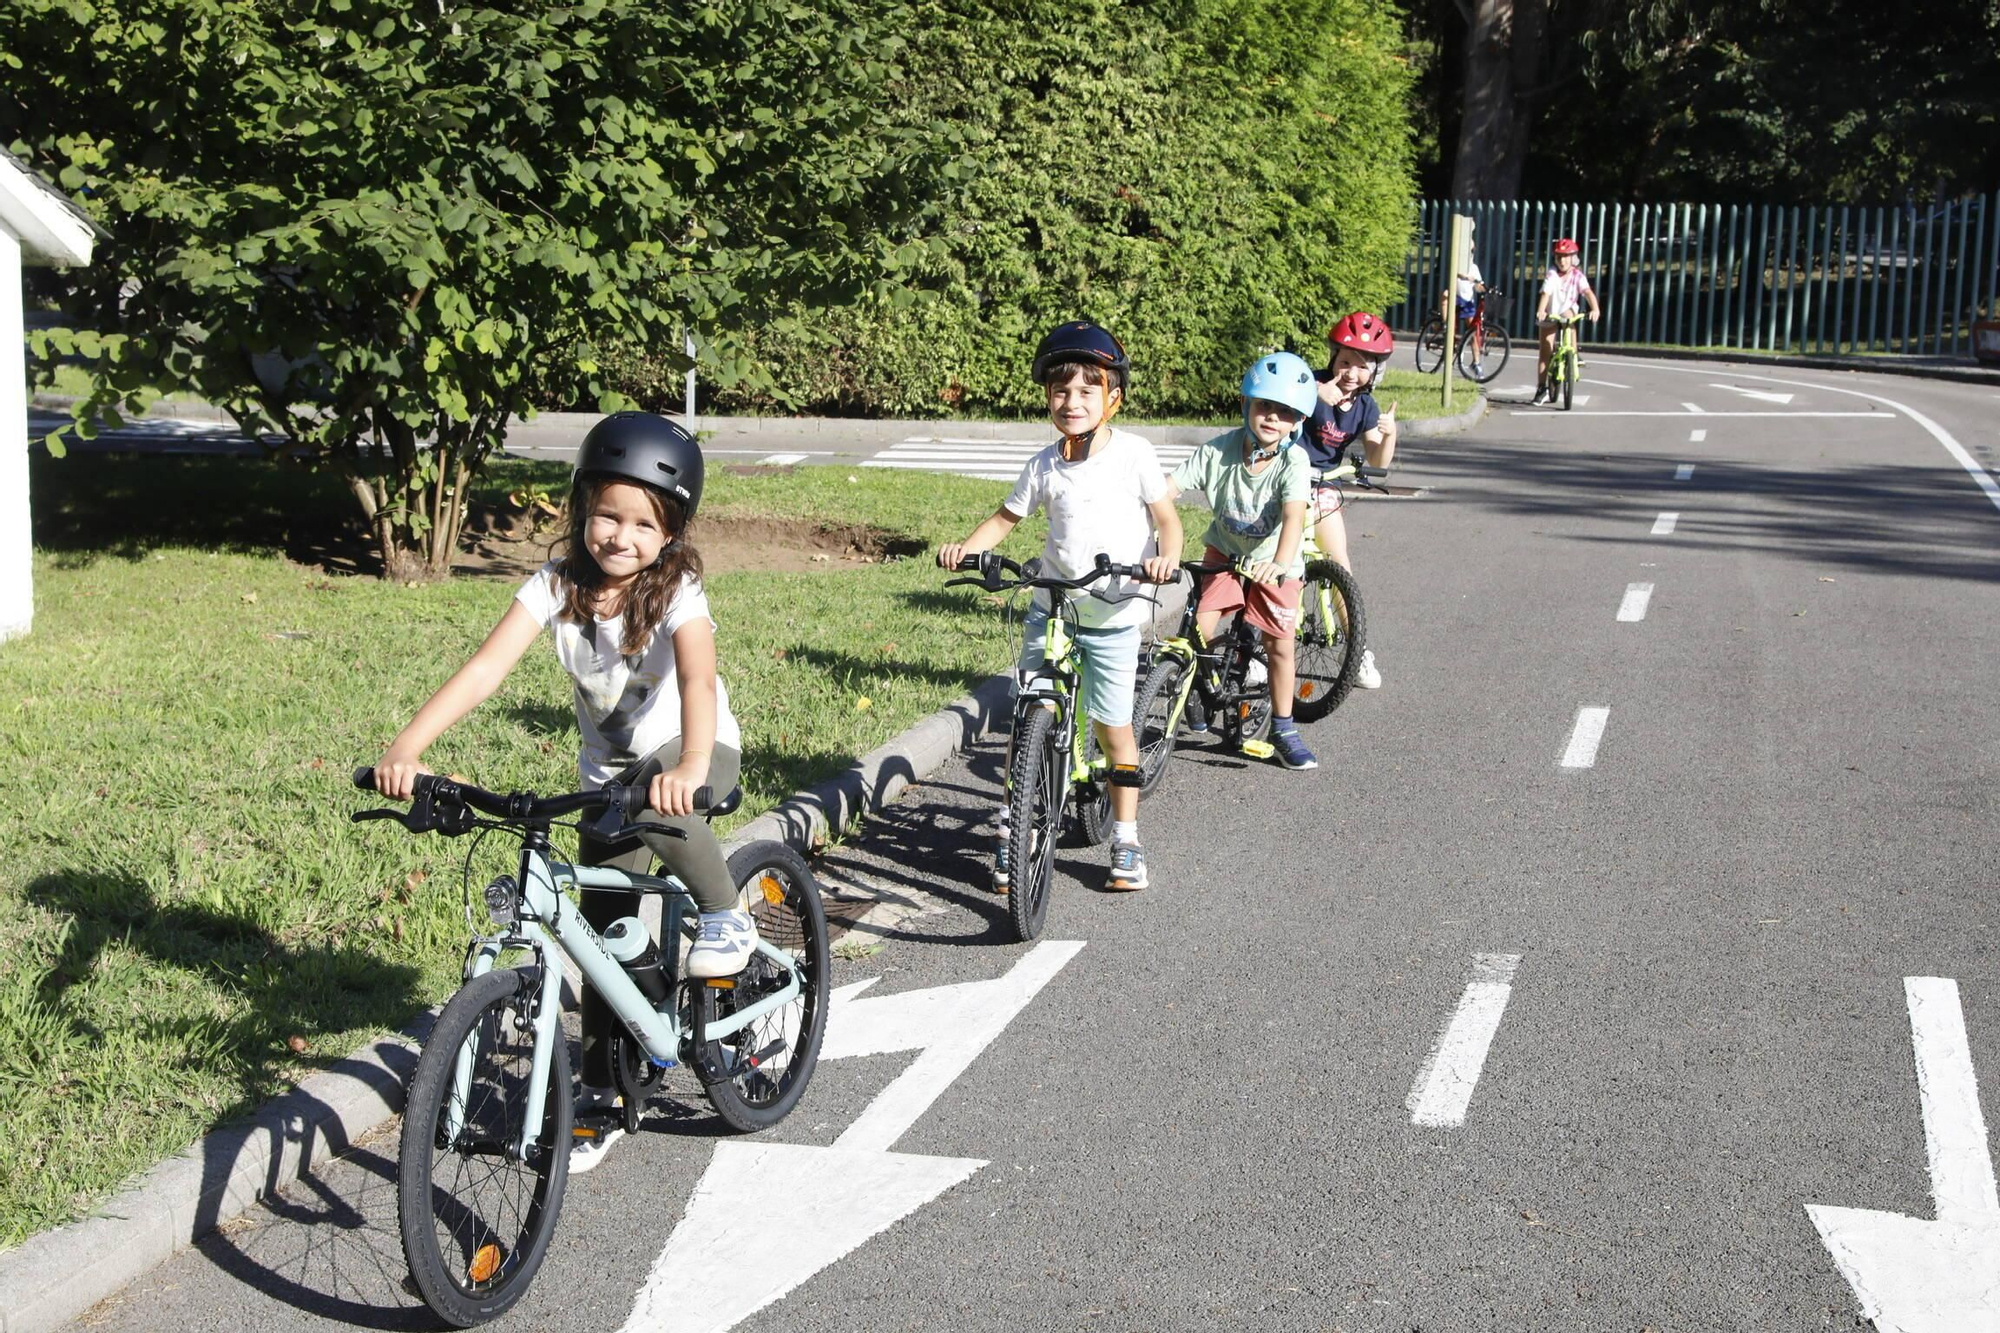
{"x": 1345, "y": 413}
{"x": 1564, "y": 290}
{"x": 1104, "y": 492}
{"x": 625, "y": 605}
{"x": 1258, "y": 485}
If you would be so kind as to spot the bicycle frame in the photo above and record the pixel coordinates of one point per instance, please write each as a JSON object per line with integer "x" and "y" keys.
{"x": 1054, "y": 684}
{"x": 546, "y": 921}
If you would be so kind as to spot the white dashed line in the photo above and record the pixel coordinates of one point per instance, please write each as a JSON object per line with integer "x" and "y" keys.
{"x": 1685, "y": 470}
{"x": 1664, "y": 524}
{"x": 1584, "y": 737}
{"x": 1444, "y": 1085}
{"x": 1693, "y": 407}
{"x": 1633, "y": 605}
{"x": 1609, "y": 384}
{"x": 1697, "y": 436}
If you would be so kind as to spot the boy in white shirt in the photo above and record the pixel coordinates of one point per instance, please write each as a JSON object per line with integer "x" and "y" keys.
{"x": 1104, "y": 492}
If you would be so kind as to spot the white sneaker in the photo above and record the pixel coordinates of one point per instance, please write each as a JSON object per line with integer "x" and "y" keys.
{"x": 590, "y": 1142}
{"x": 1366, "y": 675}
{"x": 724, "y": 945}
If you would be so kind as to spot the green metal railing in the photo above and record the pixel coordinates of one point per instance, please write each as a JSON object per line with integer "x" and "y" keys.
{"x": 1827, "y": 278}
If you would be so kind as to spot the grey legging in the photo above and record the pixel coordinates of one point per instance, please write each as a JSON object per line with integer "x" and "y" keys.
{"x": 696, "y": 859}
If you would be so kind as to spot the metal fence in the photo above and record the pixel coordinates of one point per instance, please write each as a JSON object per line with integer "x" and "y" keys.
{"x": 1832, "y": 278}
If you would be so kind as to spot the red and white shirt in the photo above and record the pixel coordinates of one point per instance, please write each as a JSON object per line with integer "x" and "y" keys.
{"x": 1565, "y": 291}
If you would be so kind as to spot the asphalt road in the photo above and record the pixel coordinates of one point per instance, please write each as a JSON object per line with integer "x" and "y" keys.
{"x": 1688, "y": 955}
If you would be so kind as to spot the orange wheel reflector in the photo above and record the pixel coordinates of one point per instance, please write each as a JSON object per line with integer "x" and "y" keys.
{"x": 774, "y": 892}
{"x": 1243, "y": 711}
{"x": 1306, "y": 689}
{"x": 485, "y": 1263}
{"x": 722, "y": 983}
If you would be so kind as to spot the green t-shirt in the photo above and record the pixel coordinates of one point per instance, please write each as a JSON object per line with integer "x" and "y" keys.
{"x": 1249, "y": 510}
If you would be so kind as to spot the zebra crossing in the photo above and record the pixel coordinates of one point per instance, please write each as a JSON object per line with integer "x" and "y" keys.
{"x": 996, "y": 460}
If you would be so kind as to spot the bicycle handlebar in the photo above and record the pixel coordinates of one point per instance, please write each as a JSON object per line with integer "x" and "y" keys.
{"x": 445, "y": 805}
{"x": 991, "y": 566}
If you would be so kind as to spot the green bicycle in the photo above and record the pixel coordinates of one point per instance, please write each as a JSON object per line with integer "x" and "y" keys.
{"x": 488, "y": 1122}
{"x": 1055, "y": 767}
{"x": 1563, "y": 364}
{"x": 1224, "y": 678}
{"x": 1332, "y": 625}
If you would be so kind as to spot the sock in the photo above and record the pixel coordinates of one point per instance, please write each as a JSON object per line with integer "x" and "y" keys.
{"x": 1283, "y": 724}
{"x": 1124, "y": 830}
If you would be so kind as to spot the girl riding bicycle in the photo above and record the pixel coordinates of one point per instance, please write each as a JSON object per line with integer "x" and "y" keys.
{"x": 1346, "y": 414}
{"x": 625, "y": 605}
{"x": 1564, "y": 291}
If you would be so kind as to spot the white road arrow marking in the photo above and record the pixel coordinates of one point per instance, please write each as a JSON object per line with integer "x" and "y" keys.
{"x": 767, "y": 1216}
{"x": 1761, "y": 395}
{"x": 1913, "y": 1276}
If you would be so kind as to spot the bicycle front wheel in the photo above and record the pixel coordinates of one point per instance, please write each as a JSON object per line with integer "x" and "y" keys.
{"x": 1156, "y": 719}
{"x": 1034, "y": 809}
{"x": 1430, "y": 346}
{"x": 476, "y": 1220}
{"x": 773, "y": 1056}
{"x": 1093, "y": 812}
{"x": 1330, "y": 640}
{"x": 1568, "y": 380}
{"x": 1481, "y": 364}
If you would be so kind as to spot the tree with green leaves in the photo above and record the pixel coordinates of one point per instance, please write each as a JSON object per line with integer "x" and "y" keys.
{"x": 373, "y": 231}
{"x": 1205, "y": 177}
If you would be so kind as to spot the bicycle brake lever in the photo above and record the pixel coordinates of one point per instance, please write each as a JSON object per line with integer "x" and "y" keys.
{"x": 363, "y": 816}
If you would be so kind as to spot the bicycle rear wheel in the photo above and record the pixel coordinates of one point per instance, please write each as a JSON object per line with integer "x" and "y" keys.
{"x": 1034, "y": 810}
{"x": 1492, "y": 357}
{"x": 476, "y": 1221}
{"x": 1330, "y": 640}
{"x": 1430, "y": 346}
{"x": 1156, "y": 719}
{"x": 773, "y": 1057}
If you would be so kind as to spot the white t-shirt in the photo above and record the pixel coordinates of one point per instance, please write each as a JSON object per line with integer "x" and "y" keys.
{"x": 1468, "y": 278}
{"x": 626, "y": 707}
{"x": 1097, "y": 505}
{"x": 1565, "y": 291}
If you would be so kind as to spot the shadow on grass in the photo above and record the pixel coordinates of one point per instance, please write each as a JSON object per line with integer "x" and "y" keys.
{"x": 283, "y": 991}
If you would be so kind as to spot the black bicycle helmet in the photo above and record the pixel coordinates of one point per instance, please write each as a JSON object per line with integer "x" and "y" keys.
{"x": 649, "y": 449}
{"x": 1081, "y": 340}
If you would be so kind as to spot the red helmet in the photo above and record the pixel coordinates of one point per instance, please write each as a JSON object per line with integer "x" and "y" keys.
{"x": 1566, "y": 246}
{"x": 1364, "y": 333}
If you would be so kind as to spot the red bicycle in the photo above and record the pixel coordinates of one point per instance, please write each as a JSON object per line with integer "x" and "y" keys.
{"x": 1483, "y": 344}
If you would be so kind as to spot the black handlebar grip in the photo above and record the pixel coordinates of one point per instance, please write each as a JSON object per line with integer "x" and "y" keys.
{"x": 364, "y": 778}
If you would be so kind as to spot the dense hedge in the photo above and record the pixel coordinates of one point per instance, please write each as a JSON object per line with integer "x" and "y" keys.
{"x": 1205, "y": 177}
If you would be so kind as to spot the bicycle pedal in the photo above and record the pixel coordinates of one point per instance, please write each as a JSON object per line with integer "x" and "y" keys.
{"x": 1126, "y": 775}
{"x": 1259, "y": 749}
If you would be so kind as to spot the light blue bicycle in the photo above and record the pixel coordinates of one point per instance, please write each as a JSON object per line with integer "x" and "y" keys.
{"x": 487, "y": 1127}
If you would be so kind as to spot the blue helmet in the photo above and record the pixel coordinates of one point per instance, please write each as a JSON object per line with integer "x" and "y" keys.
{"x": 1283, "y": 377}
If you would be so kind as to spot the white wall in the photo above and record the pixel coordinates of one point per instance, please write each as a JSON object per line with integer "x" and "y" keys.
{"x": 17, "y": 585}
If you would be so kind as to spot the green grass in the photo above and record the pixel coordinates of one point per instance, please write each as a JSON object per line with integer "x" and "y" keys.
{"x": 184, "y": 895}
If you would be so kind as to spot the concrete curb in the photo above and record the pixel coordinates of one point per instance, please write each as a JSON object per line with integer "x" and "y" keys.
{"x": 58, "y": 1274}
{"x": 1428, "y": 428}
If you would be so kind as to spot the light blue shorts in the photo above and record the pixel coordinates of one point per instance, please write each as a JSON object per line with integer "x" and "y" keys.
{"x": 1110, "y": 665}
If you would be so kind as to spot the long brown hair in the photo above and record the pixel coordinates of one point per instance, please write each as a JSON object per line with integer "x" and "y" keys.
{"x": 651, "y": 591}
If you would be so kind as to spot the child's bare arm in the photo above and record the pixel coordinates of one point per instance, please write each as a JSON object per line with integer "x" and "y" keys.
{"x": 1380, "y": 443}
{"x": 985, "y": 537}
{"x": 1289, "y": 536}
{"x": 396, "y": 771}
{"x": 1167, "y": 525}
{"x": 672, "y": 792}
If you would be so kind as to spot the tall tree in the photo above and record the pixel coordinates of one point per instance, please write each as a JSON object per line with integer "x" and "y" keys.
{"x": 375, "y": 231}
{"x": 1505, "y": 53}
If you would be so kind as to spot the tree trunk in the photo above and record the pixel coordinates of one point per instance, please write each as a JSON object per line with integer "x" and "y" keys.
{"x": 1503, "y": 56}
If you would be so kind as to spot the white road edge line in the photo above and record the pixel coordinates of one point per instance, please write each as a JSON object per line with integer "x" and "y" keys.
{"x": 1664, "y": 524}
{"x": 782, "y": 460}
{"x": 1443, "y": 1088}
{"x": 1937, "y": 432}
{"x": 1633, "y": 605}
{"x": 1609, "y": 384}
{"x": 1697, "y": 436}
{"x": 1581, "y": 752}
{"x": 1685, "y": 471}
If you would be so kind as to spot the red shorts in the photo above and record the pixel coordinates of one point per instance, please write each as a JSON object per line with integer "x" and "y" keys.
{"x": 1273, "y": 610}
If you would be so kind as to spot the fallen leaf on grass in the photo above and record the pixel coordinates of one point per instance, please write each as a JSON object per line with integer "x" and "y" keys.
{"x": 863, "y": 704}
{"x": 298, "y": 1044}
{"x": 250, "y": 597}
